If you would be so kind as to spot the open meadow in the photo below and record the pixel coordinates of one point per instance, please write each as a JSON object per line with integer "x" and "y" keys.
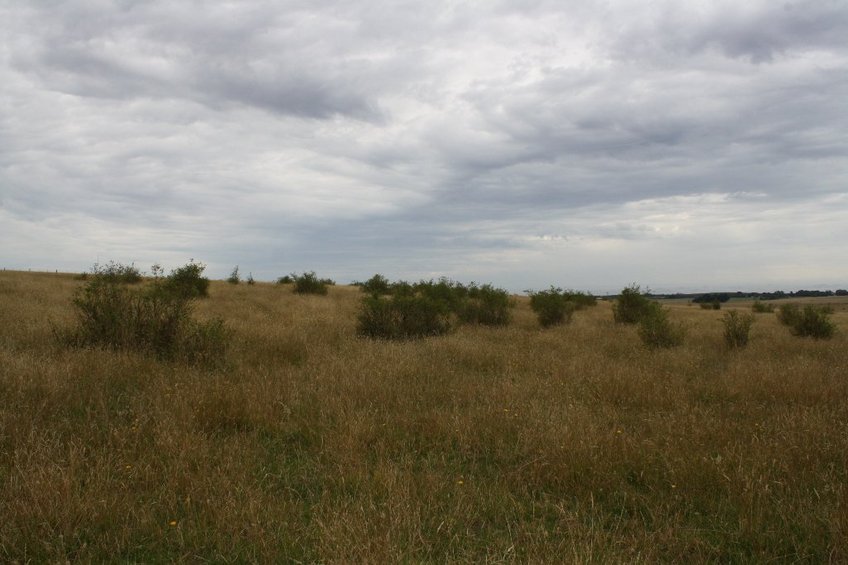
{"x": 574, "y": 443}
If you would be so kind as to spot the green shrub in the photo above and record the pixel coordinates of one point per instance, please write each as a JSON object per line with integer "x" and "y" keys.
{"x": 234, "y": 276}
{"x": 287, "y": 279}
{"x": 402, "y": 288}
{"x": 737, "y": 328}
{"x": 656, "y": 330}
{"x": 116, "y": 273}
{"x": 714, "y": 305}
{"x": 813, "y": 321}
{"x": 309, "y": 283}
{"x": 377, "y": 285}
{"x": 450, "y": 293}
{"x": 761, "y": 307}
{"x": 789, "y": 314}
{"x": 402, "y": 317}
{"x": 485, "y": 305}
{"x": 552, "y": 306}
{"x": 187, "y": 281}
{"x": 631, "y": 306}
{"x": 154, "y": 319}
{"x": 580, "y": 299}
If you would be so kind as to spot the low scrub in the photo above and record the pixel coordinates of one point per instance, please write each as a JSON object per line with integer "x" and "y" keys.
{"x": 286, "y": 279}
{"x": 737, "y": 328}
{"x": 234, "y": 277}
{"x": 186, "y": 281}
{"x": 656, "y": 330}
{"x": 552, "y": 306}
{"x": 788, "y": 314}
{"x": 485, "y": 305}
{"x": 115, "y": 273}
{"x": 812, "y": 321}
{"x": 155, "y": 318}
{"x": 580, "y": 299}
{"x": 403, "y": 317}
{"x": 402, "y": 310}
{"x": 309, "y": 283}
{"x": 377, "y": 285}
{"x": 631, "y": 306}
{"x": 715, "y": 305}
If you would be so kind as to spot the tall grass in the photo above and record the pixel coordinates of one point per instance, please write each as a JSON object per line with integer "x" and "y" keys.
{"x": 497, "y": 444}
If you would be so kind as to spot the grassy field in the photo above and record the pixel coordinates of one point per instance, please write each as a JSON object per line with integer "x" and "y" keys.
{"x": 571, "y": 444}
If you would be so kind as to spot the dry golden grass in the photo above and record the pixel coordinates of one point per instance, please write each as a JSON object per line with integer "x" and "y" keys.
{"x": 514, "y": 444}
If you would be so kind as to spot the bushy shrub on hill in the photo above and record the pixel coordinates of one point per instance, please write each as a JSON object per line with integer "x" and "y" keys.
{"x": 631, "y": 306}
{"x": 155, "y": 318}
{"x": 656, "y": 330}
{"x": 187, "y": 281}
{"x": 403, "y": 317}
{"x": 811, "y": 321}
{"x": 552, "y": 306}
{"x": 737, "y": 328}
{"x": 581, "y": 299}
{"x": 788, "y": 314}
{"x": 485, "y": 305}
{"x": 309, "y": 283}
{"x": 402, "y": 310}
{"x": 116, "y": 273}
{"x": 377, "y": 285}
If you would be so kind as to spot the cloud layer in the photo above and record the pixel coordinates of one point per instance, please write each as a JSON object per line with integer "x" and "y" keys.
{"x": 697, "y": 145}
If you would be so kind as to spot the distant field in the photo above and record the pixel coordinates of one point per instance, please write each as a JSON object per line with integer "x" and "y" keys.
{"x": 572, "y": 444}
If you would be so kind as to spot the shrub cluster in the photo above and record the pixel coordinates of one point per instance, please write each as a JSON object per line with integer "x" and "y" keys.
{"x": 656, "y": 330}
{"x": 403, "y": 316}
{"x": 737, "y": 328}
{"x": 402, "y": 310}
{"x": 813, "y": 321}
{"x": 631, "y": 306}
{"x": 714, "y": 305}
{"x": 485, "y": 305}
{"x": 377, "y": 285}
{"x": 761, "y": 307}
{"x": 309, "y": 283}
{"x": 552, "y": 306}
{"x": 115, "y": 272}
{"x": 186, "y": 281}
{"x": 155, "y": 318}
{"x": 234, "y": 277}
{"x": 286, "y": 279}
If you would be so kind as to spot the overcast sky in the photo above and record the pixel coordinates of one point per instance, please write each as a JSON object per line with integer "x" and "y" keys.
{"x": 680, "y": 145}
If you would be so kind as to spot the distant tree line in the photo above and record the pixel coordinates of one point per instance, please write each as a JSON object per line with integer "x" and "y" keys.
{"x": 708, "y": 297}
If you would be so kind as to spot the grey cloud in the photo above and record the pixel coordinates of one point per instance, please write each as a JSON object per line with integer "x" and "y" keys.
{"x": 212, "y": 57}
{"x": 495, "y": 138}
{"x": 758, "y": 31}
